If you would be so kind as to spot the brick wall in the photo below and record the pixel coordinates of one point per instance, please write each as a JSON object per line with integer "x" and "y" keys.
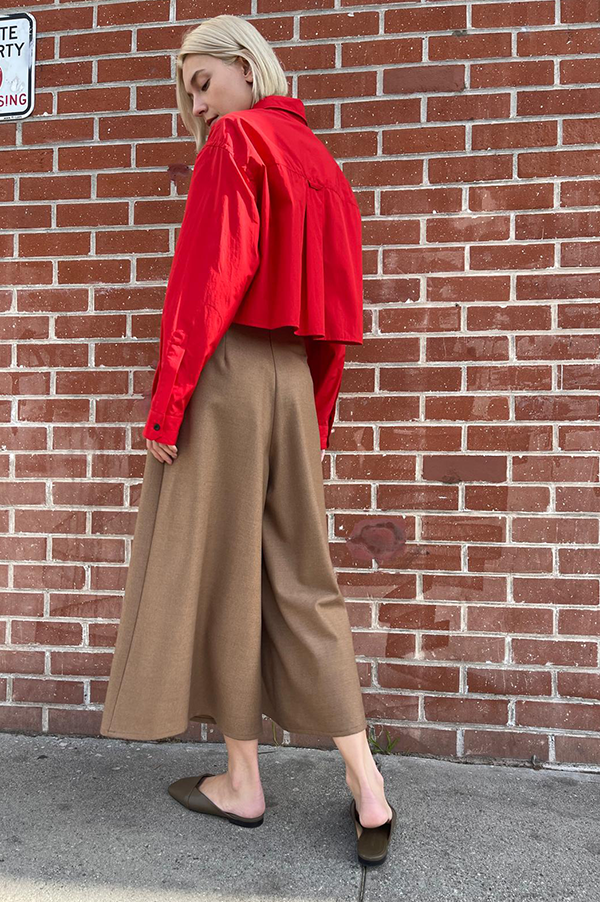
{"x": 463, "y": 480}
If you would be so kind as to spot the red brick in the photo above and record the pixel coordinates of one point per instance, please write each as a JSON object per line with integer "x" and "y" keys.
{"x": 509, "y": 438}
{"x": 580, "y": 194}
{"x": 557, "y": 530}
{"x": 420, "y": 556}
{"x": 376, "y": 466}
{"x": 543, "y": 590}
{"x": 578, "y": 498}
{"x": 424, "y": 140}
{"x": 468, "y": 228}
{"x": 511, "y": 197}
{"x": 419, "y": 616}
{"x": 509, "y": 318}
{"x": 577, "y": 622}
{"x": 470, "y": 169}
{"x": 425, "y": 79}
{"x": 420, "y": 379}
{"x": 134, "y": 13}
{"x": 377, "y": 232}
{"x": 581, "y": 376}
{"x": 421, "y": 200}
{"x": 452, "y": 468}
{"x": 424, "y": 260}
{"x": 466, "y": 710}
{"x": 505, "y": 744}
{"x": 579, "y": 438}
{"x": 573, "y": 41}
{"x": 578, "y": 131}
{"x": 21, "y": 718}
{"x": 512, "y": 256}
{"x": 507, "y": 681}
{"x": 557, "y": 347}
{"x": 509, "y": 378}
{"x": 361, "y": 53}
{"x": 556, "y": 715}
{"x": 466, "y": 408}
{"x": 579, "y": 685}
{"x": 579, "y": 11}
{"x": 470, "y": 46}
{"x": 463, "y": 529}
{"x": 390, "y": 706}
{"x": 579, "y": 560}
{"x": 467, "y": 348}
{"x": 44, "y": 632}
{"x": 468, "y": 288}
{"x": 419, "y": 319}
{"x": 518, "y": 73}
{"x": 555, "y": 651}
{"x": 21, "y": 661}
{"x": 562, "y": 163}
{"x": 461, "y": 647}
{"x": 464, "y": 587}
{"x": 428, "y": 678}
{"x": 506, "y": 559}
{"x": 440, "y": 18}
{"x": 557, "y": 407}
{"x": 77, "y": 721}
{"x": 511, "y": 619}
{"x": 543, "y": 226}
{"x": 529, "y": 12}
{"x": 557, "y": 285}
{"x": 559, "y": 468}
{"x": 580, "y": 253}
{"x": 458, "y": 107}
{"x": 418, "y": 497}
{"x": 579, "y": 71}
{"x": 507, "y": 498}
{"x": 48, "y": 691}
{"x": 420, "y": 438}
{"x": 514, "y": 134}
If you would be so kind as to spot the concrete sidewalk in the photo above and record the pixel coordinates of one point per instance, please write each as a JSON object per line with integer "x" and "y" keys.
{"x": 91, "y": 819}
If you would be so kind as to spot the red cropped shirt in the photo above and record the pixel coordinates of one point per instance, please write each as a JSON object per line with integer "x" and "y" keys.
{"x": 271, "y": 237}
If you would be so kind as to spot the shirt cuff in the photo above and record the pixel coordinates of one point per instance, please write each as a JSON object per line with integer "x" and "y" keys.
{"x": 162, "y": 428}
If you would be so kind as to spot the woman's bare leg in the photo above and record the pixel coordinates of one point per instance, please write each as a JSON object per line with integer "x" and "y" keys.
{"x": 239, "y": 789}
{"x": 364, "y": 779}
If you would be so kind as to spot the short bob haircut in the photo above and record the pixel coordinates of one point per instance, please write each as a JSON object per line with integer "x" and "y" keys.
{"x": 228, "y": 37}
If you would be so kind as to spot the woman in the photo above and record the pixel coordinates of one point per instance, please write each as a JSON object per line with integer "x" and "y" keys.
{"x": 231, "y": 607}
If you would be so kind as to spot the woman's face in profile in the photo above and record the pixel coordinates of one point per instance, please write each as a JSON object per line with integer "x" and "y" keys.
{"x": 216, "y": 88}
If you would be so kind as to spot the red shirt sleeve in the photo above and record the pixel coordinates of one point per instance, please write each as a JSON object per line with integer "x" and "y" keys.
{"x": 214, "y": 263}
{"x": 326, "y": 363}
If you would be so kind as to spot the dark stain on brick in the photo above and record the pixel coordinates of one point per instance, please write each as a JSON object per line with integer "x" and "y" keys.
{"x": 379, "y": 538}
{"x": 177, "y": 169}
{"x": 453, "y": 468}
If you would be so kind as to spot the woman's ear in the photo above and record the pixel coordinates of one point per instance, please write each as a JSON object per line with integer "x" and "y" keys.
{"x": 247, "y": 70}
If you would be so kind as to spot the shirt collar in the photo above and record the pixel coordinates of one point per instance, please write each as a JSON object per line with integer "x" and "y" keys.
{"x": 292, "y": 105}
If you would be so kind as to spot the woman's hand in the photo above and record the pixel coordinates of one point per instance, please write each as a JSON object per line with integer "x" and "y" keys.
{"x": 322, "y": 454}
{"x": 162, "y": 453}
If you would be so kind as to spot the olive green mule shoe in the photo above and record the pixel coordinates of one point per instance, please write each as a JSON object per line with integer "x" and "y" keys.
{"x": 187, "y": 793}
{"x": 372, "y": 843}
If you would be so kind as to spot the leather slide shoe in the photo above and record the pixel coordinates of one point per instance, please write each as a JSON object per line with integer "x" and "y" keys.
{"x": 372, "y": 842}
{"x": 187, "y": 793}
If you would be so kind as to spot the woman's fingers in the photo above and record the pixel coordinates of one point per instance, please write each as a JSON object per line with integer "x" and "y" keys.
{"x": 163, "y": 453}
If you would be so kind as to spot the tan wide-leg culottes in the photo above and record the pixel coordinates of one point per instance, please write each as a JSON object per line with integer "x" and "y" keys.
{"x": 231, "y": 607}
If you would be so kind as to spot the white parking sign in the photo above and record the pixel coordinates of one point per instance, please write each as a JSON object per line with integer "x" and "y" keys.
{"x": 17, "y": 59}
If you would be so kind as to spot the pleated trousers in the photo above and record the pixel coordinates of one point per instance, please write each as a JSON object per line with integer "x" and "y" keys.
{"x": 231, "y": 608}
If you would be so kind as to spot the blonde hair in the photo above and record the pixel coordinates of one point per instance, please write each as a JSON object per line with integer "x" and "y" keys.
{"x": 228, "y": 37}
